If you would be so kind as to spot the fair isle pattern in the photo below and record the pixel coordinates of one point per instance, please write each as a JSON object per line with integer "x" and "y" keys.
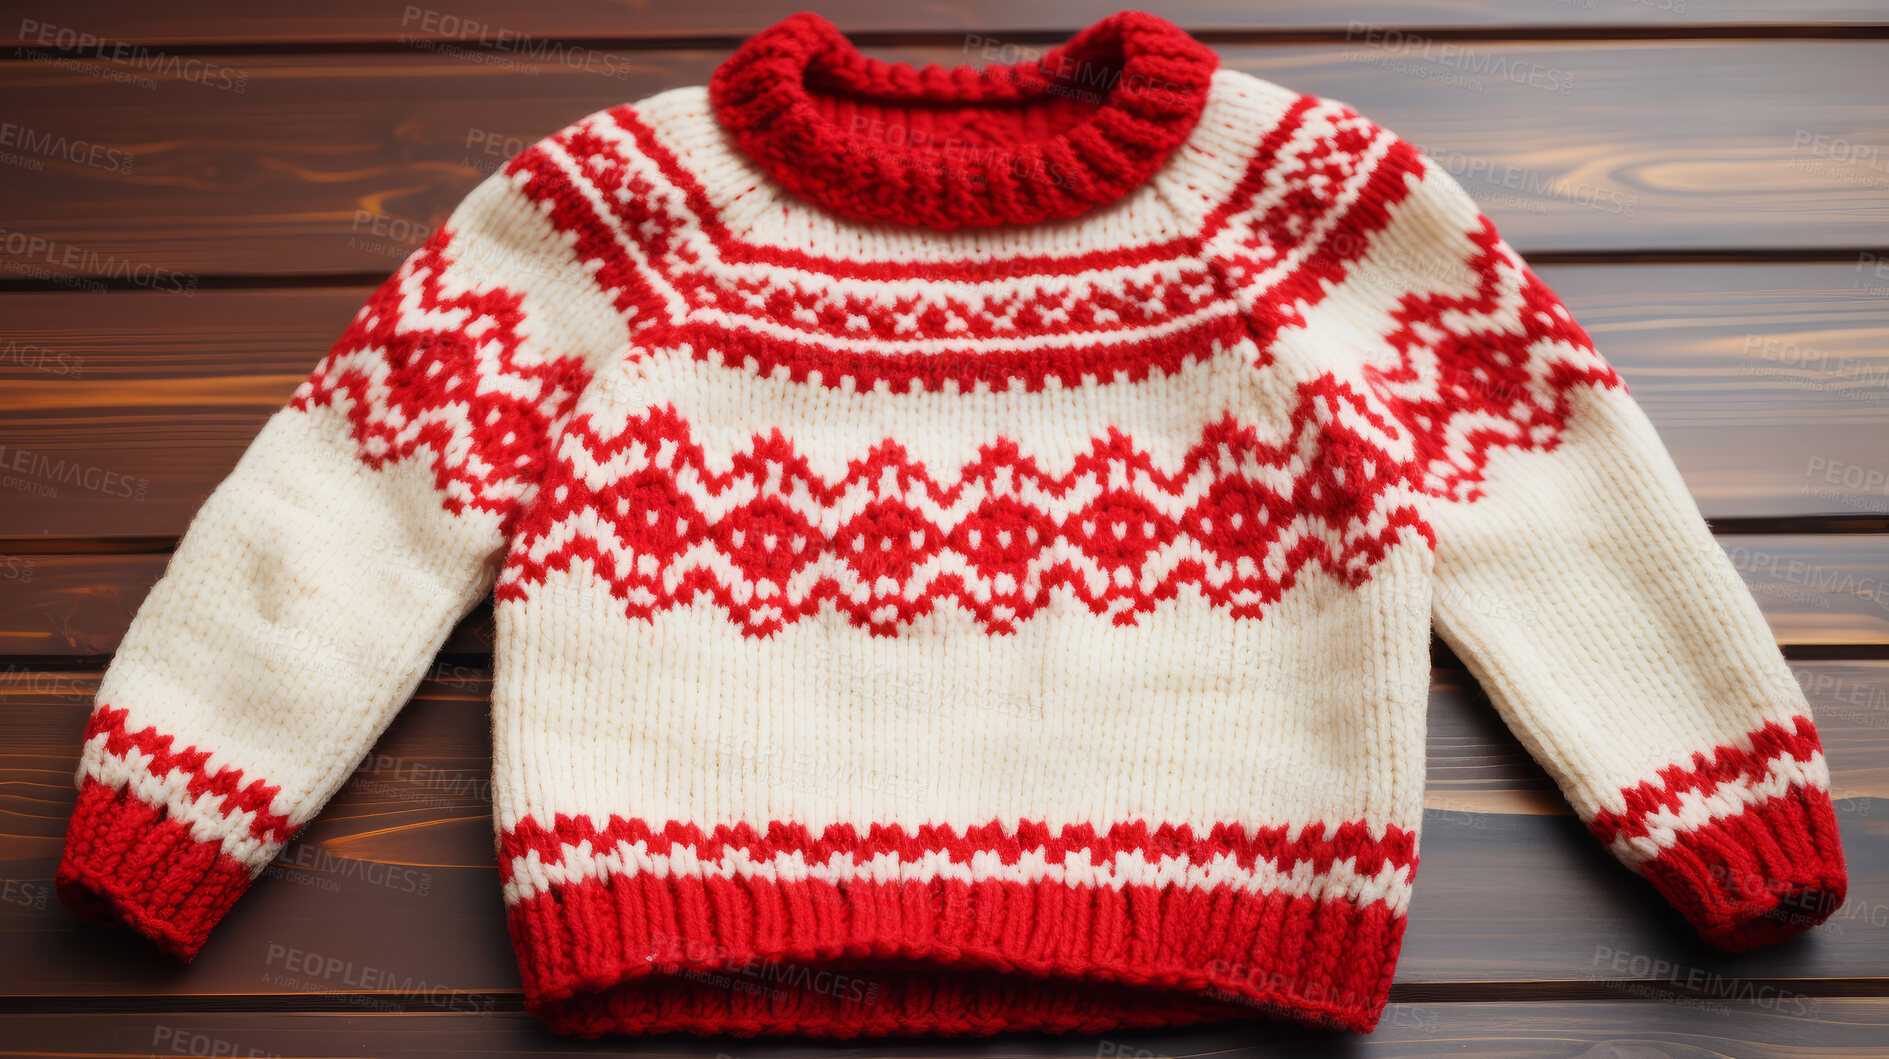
{"x": 1226, "y": 923}
{"x": 771, "y": 542}
{"x": 423, "y": 369}
{"x": 1771, "y": 762}
{"x": 1319, "y": 189}
{"x": 1187, "y": 451}
{"x": 219, "y": 806}
{"x": 160, "y": 841}
{"x": 1112, "y": 315}
{"x": 1742, "y": 838}
{"x": 1473, "y": 374}
{"x": 1489, "y": 369}
{"x": 891, "y": 556}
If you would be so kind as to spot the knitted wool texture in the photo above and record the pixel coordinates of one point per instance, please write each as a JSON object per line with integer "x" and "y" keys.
{"x": 965, "y": 547}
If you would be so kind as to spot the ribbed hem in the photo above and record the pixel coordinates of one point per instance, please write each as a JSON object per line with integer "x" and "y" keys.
{"x": 644, "y": 952}
{"x": 1758, "y": 876}
{"x": 126, "y": 863}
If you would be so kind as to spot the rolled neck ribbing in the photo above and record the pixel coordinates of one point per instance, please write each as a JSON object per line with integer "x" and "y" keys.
{"x": 1049, "y": 138}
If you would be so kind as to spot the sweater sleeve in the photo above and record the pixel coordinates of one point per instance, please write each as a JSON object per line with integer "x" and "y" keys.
{"x": 1577, "y": 579}
{"x": 314, "y": 585}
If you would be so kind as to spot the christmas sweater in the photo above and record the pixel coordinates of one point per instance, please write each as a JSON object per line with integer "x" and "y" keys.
{"x": 965, "y": 548}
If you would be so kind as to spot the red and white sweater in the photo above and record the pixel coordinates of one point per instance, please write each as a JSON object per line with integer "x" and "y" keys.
{"x": 965, "y": 545}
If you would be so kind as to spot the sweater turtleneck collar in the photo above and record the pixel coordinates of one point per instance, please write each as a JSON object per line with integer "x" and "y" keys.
{"x": 1048, "y": 138}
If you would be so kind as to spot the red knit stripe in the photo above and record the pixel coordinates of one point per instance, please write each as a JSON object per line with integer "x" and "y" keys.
{"x": 1104, "y": 359}
{"x": 640, "y": 953}
{"x": 1316, "y": 844}
{"x": 227, "y": 782}
{"x": 544, "y": 181}
{"x": 1104, "y": 351}
{"x": 658, "y": 228}
{"x": 1705, "y": 772}
{"x": 1308, "y": 197}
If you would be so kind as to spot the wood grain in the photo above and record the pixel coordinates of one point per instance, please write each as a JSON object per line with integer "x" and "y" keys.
{"x": 1769, "y": 384}
{"x": 324, "y": 164}
{"x": 1782, "y": 1025}
{"x": 229, "y": 22}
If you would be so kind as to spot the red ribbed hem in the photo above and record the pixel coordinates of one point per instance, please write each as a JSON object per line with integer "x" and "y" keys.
{"x": 709, "y": 954}
{"x": 1759, "y": 876}
{"x": 128, "y": 864}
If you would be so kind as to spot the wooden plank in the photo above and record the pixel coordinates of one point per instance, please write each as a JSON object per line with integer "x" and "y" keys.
{"x": 1476, "y": 766}
{"x": 147, "y": 398}
{"x": 1777, "y": 1024}
{"x": 1512, "y": 888}
{"x": 1769, "y": 383}
{"x": 309, "y": 170}
{"x": 1822, "y": 590}
{"x": 529, "y": 30}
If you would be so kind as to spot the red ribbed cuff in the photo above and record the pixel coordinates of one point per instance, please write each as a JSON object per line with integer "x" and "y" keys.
{"x": 1758, "y": 876}
{"x": 129, "y": 864}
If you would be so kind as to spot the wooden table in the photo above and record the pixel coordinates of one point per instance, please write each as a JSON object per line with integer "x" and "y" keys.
{"x": 194, "y": 204}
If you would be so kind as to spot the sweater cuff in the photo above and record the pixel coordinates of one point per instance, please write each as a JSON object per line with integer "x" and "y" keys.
{"x": 1758, "y": 876}
{"x": 129, "y": 864}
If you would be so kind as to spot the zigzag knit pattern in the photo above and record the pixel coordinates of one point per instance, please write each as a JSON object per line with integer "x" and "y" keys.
{"x": 999, "y": 538}
{"x": 965, "y": 544}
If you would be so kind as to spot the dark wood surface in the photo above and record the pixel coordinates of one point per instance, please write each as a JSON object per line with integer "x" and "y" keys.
{"x": 327, "y": 159}
{"x": 234, "y": 23}
{"x": 1709, "y": 193}
{"x": 1789, "y": 1027}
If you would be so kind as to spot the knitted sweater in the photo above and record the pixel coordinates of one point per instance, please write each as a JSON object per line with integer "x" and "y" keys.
{"x": 965, "y": 547}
